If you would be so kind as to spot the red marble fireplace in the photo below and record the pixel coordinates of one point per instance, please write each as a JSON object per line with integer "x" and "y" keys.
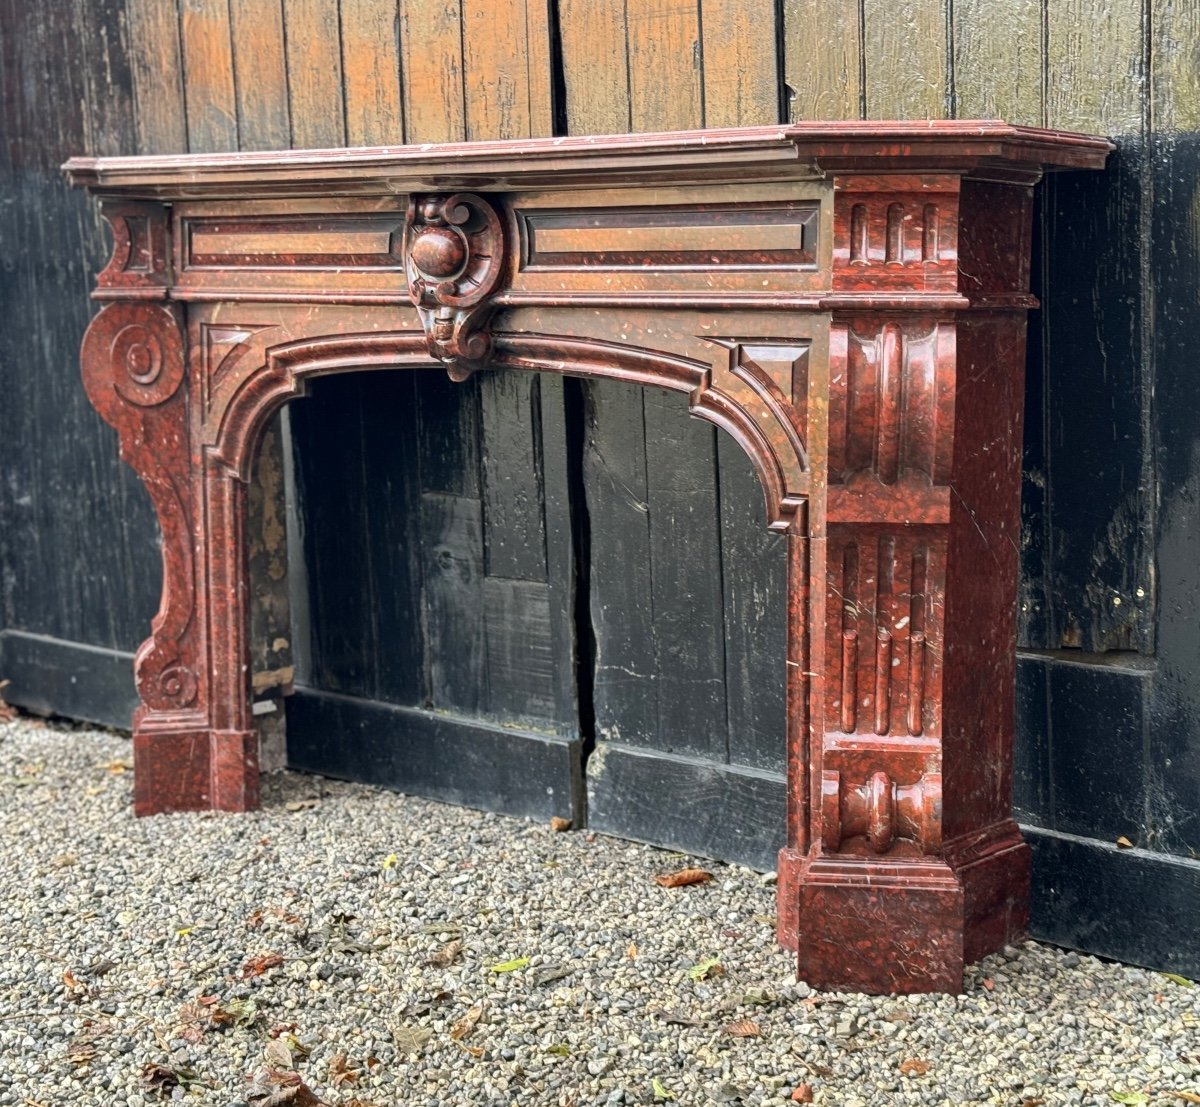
{"x": 846, "y": 300}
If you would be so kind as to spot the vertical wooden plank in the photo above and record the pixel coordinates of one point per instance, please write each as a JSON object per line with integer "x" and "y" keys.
{"x": 625, "y": 691}
{"x": 343, "y": 648}
{"x": 432, "y": 70}
{"x": 157, "y": 66}
{"x": 452, "y": 542}
{"x": 999, "y": 60}
{"x": 371, "y": 72}
{"x": 260, "y": 66}
{"x": 314, "y": 66}
{"x": 1096, "y": 67}
{"x": 822, "y": 58}
{"x": 108, "y": 80}
{"x": 1096, "y": 340}
{"x": 664, "y": 65}
{"x": 595, "y": 66}
{"x": 208, "y": 75}
{"x": 687, "y": 592}
{"x": 514, "y": 527}
{"x": 391, "y": 554}
{"x": 741, "y": 86}
{"x": 906, "y": 59}
{"x": 506, "y": 67}
{"x": 1174, "y": 780}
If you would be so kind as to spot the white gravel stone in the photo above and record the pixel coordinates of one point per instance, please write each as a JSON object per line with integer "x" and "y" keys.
{"x": 124, "y": 944}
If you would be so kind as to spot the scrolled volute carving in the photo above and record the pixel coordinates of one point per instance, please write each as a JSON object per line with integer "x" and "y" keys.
{"x": 134, "y": 349}
{"x": 454, "y": 259}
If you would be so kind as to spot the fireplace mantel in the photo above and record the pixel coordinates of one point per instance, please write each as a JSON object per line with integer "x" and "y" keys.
{"x": 847, "y": 300}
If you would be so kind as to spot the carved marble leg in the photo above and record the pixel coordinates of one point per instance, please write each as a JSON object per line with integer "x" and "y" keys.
{"x": 188, "y": 754}
{"x": 912, "y": 865}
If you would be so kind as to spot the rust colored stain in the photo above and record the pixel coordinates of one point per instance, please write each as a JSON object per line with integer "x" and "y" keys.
{"x": 846, "y": 300}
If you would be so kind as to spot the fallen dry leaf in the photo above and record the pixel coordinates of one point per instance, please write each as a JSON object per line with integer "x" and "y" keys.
{"x": 117, "y": 767}
{"x": 631, "y": 952}
{"x": 290, "y": 1091}
{"x": 683, "y": 878}
{"x": 914, "y": 1067}
{"x": 277, "y": 1054}
{"x": 447, "y": 955}
{"x": 1032, "y": 1102}
{"x": 987, "y": 984}
{"x": 802, "y": 1093}
{"x": 558, "y": 824}
{"x": 256, "y": 966}
{"x": 1124, "y": 843}
{"x": 411, "y": 1039}
{"x": 161, "y": 1079}
{"x": 742, "y": 1028}
{"x": 467, "y": 1023}
{"x": 341, "y": 1071}
{"x": 255, "y": 919}
{"x": 1187, "y": 1097}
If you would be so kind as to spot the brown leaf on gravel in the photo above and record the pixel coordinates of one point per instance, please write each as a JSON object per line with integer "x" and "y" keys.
{"x": 914, "y": 1067}
{"x": 446, "y": 956}
{"x": 277, "y": 1054}
{"x": 255, "y": 919}
{"x": 411, "y": 1039}
{"x": 341, "y": 1071}
{"x": 289, "y": 1091}
{"x": 683, "y": 878}
{"x": 1038, "y": 1102}
{"x": 418, "y": 1007}
{"x": 802, "y": 1093}
{"x": 161, "y": 1079}
{"x": 742, "y": 1028}
{"x": 256, "y": 966}
{"x": 558, "y": 824}
{"x": 467, "y": 1023}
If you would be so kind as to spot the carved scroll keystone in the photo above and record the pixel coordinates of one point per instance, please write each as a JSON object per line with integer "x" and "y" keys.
{"x": 454, "y": 256}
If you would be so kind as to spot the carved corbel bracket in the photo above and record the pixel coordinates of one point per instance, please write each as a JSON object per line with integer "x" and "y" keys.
{"x": 454, "y": 254}
{"x": 133, "y": 371}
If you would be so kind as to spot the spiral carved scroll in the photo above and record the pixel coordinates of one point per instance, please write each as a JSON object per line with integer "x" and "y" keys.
{"x": 454, "y": 259}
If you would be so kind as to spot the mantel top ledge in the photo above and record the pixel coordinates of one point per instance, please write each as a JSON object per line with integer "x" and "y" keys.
{"x": 802, "y": 151}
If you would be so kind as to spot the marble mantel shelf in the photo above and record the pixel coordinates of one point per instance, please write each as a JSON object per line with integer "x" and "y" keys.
{"x": 847, "y": 300}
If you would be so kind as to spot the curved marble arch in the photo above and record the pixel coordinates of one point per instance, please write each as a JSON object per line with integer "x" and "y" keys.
{"x": 846, "y": 300}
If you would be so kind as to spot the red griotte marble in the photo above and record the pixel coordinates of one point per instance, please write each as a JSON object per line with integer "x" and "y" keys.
{"x": 847, "y": 300}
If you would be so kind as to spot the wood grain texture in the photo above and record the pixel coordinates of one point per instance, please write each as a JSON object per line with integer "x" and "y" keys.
{"x": 371, "y": 72}
{"x": 1095, "y": 67}
{"x": 506, "y": 67}
{"x": 665, "y": 64}
{"x": 209, "y": 93}
{"x": 108, "y": 82}
{"x": 314, "y": 68}
{"x": 260, "y": 63}
{"x": 738, "y": 47}
{"x": 822, "y": 58}
{"x": 991, "y": 39}
{"x": 157, "y": 66}
{"x": 595, "y": 59}
{"x": 906, "y": 47}
{"x": 434, "y": 93}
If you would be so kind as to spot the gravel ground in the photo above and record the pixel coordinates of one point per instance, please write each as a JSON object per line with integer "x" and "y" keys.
{"x": 202, "y": 958}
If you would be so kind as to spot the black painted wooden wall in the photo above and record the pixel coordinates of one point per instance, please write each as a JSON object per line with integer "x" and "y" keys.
{"x": 534, "y": 583}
